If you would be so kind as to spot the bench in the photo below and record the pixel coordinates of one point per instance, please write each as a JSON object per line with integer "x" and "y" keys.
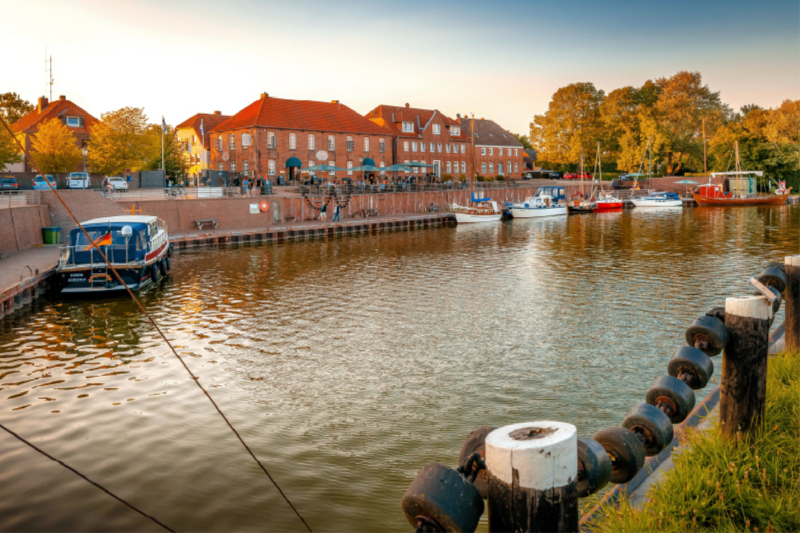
{"x": 366, "y": 213}
{"x": 211, "y": 221}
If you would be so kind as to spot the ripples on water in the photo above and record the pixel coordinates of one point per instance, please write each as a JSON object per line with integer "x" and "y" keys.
{"x": 349, "y": 363}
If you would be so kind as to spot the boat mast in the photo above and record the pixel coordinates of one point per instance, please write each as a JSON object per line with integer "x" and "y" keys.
{"x": 580, "y": 171}
{"x": 650, "y": 162}
{"x": 472, "y": 180}
{"x": 599, "y": 166}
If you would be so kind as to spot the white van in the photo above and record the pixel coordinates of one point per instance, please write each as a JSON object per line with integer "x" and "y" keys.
{"x": 79, "y": 180}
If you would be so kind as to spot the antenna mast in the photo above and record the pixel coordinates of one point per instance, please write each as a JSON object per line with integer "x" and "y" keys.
{"x": 49, "y": 71}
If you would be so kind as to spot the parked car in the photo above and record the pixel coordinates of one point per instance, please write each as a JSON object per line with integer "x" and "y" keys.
{"x": 40, "y": 183}
{"x": 577, "y": 176}
{"x": 623, "y": 182}
{"x": 116, "y": 183}
{"x": 79, "y": 180}
{"x": 555, "y": 175}
{"x": 9, "y": 183}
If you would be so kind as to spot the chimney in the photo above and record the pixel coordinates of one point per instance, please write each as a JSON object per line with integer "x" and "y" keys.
{"x": 334, "y": 101}
{"x": 406, "y": 104}
{"x": 42, "y": 103}
{"x": 217, "y": 113}
{"x": 62, "y": 98}
{"x": 264, "y": 95}
{"x": 458, "y": 116}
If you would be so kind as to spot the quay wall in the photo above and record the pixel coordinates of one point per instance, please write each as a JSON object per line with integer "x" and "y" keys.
{"x": 85, "y": 204}
{"x": 21, "y": 227}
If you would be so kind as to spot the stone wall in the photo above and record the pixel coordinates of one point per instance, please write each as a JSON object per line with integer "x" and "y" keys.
{"x": 22, "y": 227}
{"x": 84, "y": 204}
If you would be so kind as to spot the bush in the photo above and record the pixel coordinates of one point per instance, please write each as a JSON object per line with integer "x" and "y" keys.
{"x": 480, "y": 178}
{"x": 462, "y": 177}
{"x": 447, "y": 177}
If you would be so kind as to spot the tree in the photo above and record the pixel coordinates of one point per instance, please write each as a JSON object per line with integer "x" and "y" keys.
{"x": 54, "y": 149}
{"x": 176, "y": 164}
{"x": 524, "y": 140}
{"x": 9, "y": 151}
{"x": 13, "y": 108}
{"x": 571, "y": 124}
{"x": 119, "y": 142}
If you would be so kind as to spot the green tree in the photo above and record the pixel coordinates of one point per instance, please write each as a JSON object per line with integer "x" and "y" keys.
{"x": 571, "y": 124}
{"x": 120, "y": 141}
{"x": 54, "y": 149}
{"x": 176, "y": 164}
{"x": 524, "y": 140}
{"x": 9, "y": 152}
{"x": 13, "y": 108}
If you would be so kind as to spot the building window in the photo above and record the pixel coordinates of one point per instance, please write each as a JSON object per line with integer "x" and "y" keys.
{"x": 332, "y": 172}
{"x": 422, "y": 147}
{"x": 350, "y": 144}
{"x": 440, "y": 148}
{"x": 508, "y": 166}
{"x": 408, "y": 127}
{"x": 413, "y": 147}
{"x": 381, "y": 145}
{"x": 232, "y": 141}
{"x": 508, "y": 152}
{"x": 405, "y": 146}
{"x": 245, "y": 167}
{"x": 483, "y": 168}
{"x": 311, "y": 163}
{"x": 349, "y": 166}
{"x": 433, "y": 147}
{"x": 247, "y": 140}
{"x": 500, "y": 168}
{"x": 271, "y": 167}
{"x": 219, "y": 167}
{"x": 194, "y": 137}
{"x": 491, "y": 151}
{"x": 219, "y": 143}
{"x": 407, "y": 161}
{"x": 331, "y": 144}
{"x": 74, "y": 122}
{"x": 516, "y": 167}
{"x": 455, "y": 130}
{"x": 382, "y": 164}
{"x": 448, "y": 167}
{"x": 448, "y": 147}
{"x": 233, "y": 166}
{"x": 491, "y": 168}
{"x": 311, "y": 140}
{"x": 366, "y": 144}
{"x": 463, "y": 148}
{"x": 515, "y": 151}
{"x": 292, "y": 141}
{"x": 270, "y": 139}
{"x": 483, "y": 151}
{"x": 464, "y": 166}
{"x": 436, "y": 129}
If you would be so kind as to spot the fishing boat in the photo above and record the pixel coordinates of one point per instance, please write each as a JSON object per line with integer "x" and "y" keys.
{"x": 137, "y": 246}
{"x": 712, "y": 194}
{"x": 548, "y": 201}
{"x": 581, "y": 204}
{"x": 480, "y": 209}
{"x": 605, "y": 201}
{"x": 658, "y": 199}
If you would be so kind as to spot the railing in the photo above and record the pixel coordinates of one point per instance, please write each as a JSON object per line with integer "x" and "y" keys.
{"x": 533, "y": 473}
{"x": 190, "y": 193}
{"x": 79, "y": 256}
{"x": 19, "y": 198}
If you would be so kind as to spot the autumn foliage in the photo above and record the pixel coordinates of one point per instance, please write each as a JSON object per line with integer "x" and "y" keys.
{"x": 54, "y": 149}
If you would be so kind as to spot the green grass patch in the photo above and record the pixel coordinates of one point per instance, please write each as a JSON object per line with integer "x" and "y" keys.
{"x": 721, "y": 484}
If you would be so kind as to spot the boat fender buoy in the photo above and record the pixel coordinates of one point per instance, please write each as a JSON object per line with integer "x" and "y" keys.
{"x": 476, "y": 442}
{"x": 652, "y": 426}
{"x": 672, "y": 396}
{"x": 263, "y": 206}
{"x": 625, "y": 451}
{"x": 709, "y": 334}
{"x": 168, "y": 263}
{"x": 442, "y": 499}
{"x": 155, "y": 273}
{"x": 692, "y": 366}
{"x": 594, "y": 467}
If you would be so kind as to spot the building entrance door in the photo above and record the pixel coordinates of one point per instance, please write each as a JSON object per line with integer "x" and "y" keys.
{"x": 437, "y": 168}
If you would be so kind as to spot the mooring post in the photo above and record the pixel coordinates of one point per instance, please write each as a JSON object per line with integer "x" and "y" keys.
{"x": 744, "y": 364}
{"x": 532, "y": 476}
{"x": 792, "y": 299}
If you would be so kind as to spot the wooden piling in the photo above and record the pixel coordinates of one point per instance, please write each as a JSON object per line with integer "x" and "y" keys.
{"x": 532, "y": 472}
{"x": 744, "y": 364}
{"x": 791, "y": 298}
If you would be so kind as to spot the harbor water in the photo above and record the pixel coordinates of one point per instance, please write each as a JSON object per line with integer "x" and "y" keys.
{"x": 349, "y": 363}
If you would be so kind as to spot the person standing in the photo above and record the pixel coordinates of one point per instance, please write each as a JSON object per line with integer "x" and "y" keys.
{"x": 323, "y": 212}
{"x": 336, "y": 211}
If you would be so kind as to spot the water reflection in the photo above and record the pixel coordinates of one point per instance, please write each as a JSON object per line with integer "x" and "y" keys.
{"x": 348, "y": 363}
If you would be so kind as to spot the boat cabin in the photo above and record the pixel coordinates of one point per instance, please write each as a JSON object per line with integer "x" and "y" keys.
{"x": 124, "y": 240}
{"x": 712, "y": 190}
{"x": 556, "y": 193}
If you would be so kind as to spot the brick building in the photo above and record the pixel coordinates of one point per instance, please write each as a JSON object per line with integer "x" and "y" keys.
{"x": 74, "y": 117}
{"x": 497, "y": 151}
{"x": 196, "y": 145}
{"x": 425, "y": 136}
{"x": 262, "y": 138}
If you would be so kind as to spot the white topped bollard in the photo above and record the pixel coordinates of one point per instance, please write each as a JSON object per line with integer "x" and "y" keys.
{"x": 532, "y": 476}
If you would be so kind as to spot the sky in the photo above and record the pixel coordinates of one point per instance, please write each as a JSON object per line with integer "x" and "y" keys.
{"x": 501, "y": 60}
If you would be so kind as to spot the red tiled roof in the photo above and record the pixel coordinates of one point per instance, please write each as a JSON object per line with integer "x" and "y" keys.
{"x": 280, "y": 113}
{"x": 56, "y": 109}
{"x": 210, "y": 121}
{"x": 395, "y": 115}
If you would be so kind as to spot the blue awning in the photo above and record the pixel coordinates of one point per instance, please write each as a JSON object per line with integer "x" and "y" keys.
{"x": 368, "y": 161}
{"x": 293, "y": 162}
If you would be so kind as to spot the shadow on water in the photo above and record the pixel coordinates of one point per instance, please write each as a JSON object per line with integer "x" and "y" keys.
{"x": 348, "y": 363}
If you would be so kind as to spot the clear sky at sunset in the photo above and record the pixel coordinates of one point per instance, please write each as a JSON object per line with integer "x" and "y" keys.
{"x": 501, "y": 59}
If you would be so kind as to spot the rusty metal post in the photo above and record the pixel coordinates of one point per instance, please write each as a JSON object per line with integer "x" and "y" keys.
{"x": 532, "y": 477}
{"x": 744, "y": 364}
{"x": 792, "y": 299}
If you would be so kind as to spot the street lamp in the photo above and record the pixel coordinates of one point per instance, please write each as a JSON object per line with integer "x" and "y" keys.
{"x": 84, "y": 151}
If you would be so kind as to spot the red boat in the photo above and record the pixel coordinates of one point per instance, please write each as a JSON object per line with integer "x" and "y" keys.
{"x": 608, "y": 203}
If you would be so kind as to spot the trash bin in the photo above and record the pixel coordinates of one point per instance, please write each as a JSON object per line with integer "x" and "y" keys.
{"x": 51, "y": 235}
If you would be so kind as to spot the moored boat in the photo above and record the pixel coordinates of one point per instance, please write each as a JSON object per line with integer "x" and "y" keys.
{"x": 664, "y": 199}
{"x": 546, "y": 202}
{"x": 607, "y": 202}
{"x": 480, "y": 209}
{"x": 137, "y": 246}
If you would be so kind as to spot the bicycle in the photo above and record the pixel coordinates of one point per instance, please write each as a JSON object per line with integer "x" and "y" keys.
{"x": 113, "y": 193}
{"x": 172, "y": 193}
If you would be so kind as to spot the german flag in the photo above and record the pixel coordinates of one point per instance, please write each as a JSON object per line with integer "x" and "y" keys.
{"x": 102, "y": 241}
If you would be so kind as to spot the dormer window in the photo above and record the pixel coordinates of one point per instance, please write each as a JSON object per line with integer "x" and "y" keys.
{"x": 436, "y": 129}
{"x": 455, "y": 131}
{"x": 73, "y": 122}
{"x": 408, "y": 127}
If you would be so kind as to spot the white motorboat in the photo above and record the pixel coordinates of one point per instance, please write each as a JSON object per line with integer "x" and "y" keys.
{"x": 544, "y": 203}
{"x": 658, "y": 200}
{"x": 480, "y": 209}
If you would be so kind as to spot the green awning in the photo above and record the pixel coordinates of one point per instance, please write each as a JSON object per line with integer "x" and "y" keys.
{"x": 293, "y": 162}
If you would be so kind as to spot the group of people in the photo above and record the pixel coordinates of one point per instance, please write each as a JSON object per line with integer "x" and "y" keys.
{"x": 250, "y": 186}
{"x": 323, "y": 212}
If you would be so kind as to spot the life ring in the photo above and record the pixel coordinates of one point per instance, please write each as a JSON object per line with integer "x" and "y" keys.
{"x": 263, "y": 206}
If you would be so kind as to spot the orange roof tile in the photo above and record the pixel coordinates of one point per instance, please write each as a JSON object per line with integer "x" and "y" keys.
{"x": 396, "y": 115}
{"x": 210, "y": 121}
{"x": 281, "y": 113}
{"x": 56, "y": 109}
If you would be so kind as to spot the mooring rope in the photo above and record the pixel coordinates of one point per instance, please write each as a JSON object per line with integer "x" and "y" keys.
{"x": 153, "y": 322}
{"x": 65, "y": 465}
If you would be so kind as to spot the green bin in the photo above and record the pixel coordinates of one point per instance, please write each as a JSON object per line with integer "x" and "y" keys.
{"x": 51, "y": 235}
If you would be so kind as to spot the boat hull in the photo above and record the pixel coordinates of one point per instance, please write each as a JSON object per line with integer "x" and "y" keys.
{"x": 96, "y": 279}
{"x": 467, "y": 218}
{"x": 534, "y": 212}
{"x": 721, "y": 202}
{"x": 656, "y": 203}
{"x": 608, "y": 206}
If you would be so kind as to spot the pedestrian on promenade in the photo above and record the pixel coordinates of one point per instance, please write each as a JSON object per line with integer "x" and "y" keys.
{"x": 336, "y": 210}
{"x": 323, "y": 212}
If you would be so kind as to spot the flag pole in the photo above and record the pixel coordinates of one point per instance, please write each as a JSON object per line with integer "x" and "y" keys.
{"x": 163, "y": 127}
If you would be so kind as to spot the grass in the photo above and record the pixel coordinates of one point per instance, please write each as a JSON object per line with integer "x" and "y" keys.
{"x": 731, "y": 485}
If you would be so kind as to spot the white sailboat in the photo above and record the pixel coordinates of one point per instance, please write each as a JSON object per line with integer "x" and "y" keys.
{"x": 546, "y": 202}
{"x": 480, "y": 209}
{"x": 654, "y": 199}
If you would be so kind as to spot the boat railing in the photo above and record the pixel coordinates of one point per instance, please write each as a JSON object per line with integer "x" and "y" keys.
{"x": 161, "y": 224}
{"x": 80, "y": 256}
